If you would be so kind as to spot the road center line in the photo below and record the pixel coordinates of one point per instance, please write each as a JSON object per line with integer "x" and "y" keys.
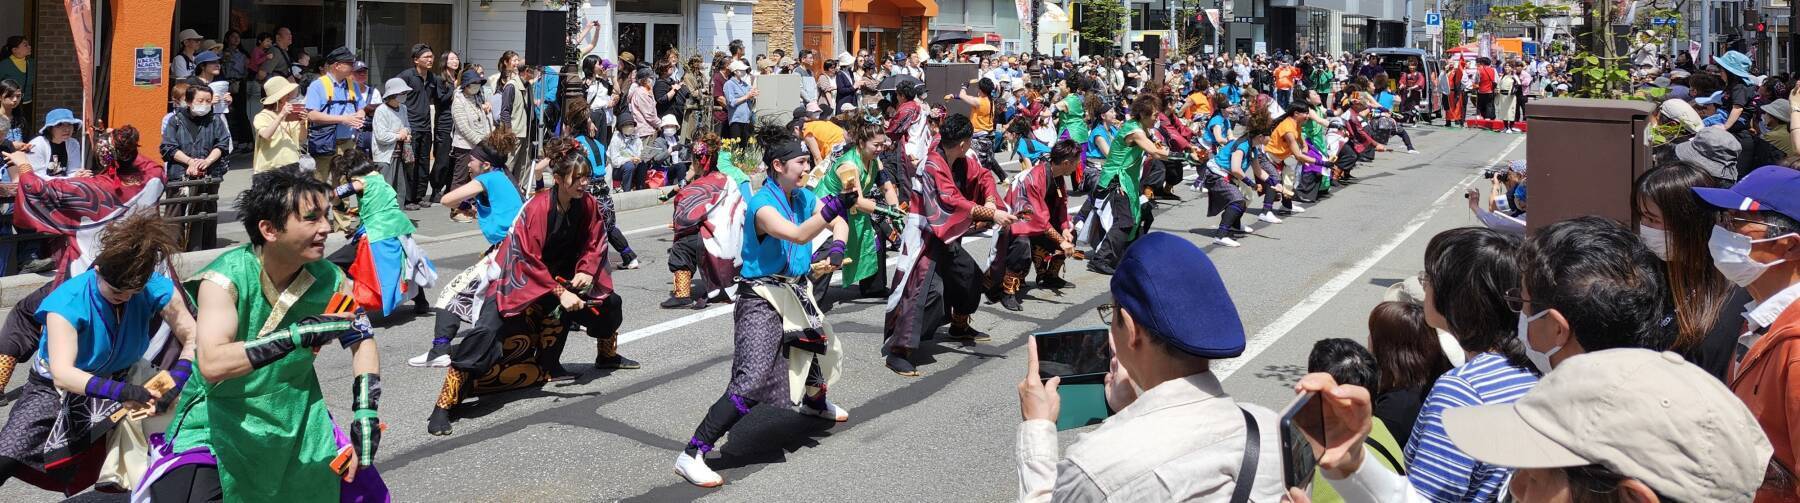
{"x": 1275, "y": 331}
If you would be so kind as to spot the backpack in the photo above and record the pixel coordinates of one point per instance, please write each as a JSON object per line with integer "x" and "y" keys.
{"x": 321, "y": 139}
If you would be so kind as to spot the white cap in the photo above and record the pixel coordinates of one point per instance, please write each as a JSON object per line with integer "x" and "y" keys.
{"x": 668, "y": 121}
{"x": 188, "y": 34}
{"x": 395, "y": 86}
{"x": 1652, "y": 417}
{"x": 845, "y": 59}
{"x": 737, "y": 65}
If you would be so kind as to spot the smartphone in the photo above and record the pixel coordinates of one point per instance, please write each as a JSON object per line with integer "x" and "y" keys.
{"x": 1302, "y": 439}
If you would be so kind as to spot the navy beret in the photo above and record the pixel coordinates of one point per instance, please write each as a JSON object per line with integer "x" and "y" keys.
{"x": 1171, "y": 288}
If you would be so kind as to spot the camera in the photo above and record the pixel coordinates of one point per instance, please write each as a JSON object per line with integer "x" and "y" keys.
{"x": 1490, "y": 173}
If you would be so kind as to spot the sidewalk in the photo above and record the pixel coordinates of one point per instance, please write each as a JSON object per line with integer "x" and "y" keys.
{"x": 433, "y": 224}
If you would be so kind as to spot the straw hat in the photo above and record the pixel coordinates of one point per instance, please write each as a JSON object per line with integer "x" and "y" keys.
{"x": 277, "y": 88}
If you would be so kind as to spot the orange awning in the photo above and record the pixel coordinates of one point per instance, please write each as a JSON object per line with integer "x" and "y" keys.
{"x": 927, "y": 8}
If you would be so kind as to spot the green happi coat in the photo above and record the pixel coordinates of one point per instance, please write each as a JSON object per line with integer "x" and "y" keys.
{"x": 860, "y": 244}
{"x": 269, "y": 429}
{"x": 1125, "y": 163}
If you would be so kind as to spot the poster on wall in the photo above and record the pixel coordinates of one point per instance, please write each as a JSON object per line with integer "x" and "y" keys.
{"x": 148, "y": 67}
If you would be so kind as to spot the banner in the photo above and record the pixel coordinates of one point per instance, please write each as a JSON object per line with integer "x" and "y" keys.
{"x": 1024, "y": 8}
{"x": 81, "y": 26}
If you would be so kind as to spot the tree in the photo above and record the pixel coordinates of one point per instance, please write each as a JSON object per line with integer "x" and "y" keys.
{"x": 1101, "y": 22}
{"x": 1453, "y": 35}
{"x": 1527, "y": 14}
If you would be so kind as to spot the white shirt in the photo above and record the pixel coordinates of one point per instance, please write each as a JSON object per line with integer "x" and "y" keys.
{"x": 1760, "y": 315}
{"x": 1182, "y": 440}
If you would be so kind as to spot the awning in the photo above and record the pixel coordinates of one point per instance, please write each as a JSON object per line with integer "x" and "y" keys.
{"x": 927, "y": 8}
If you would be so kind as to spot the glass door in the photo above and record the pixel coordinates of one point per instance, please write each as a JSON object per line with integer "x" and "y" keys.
{"x": 647, "y": 37}
{"x": 386, "y": 32}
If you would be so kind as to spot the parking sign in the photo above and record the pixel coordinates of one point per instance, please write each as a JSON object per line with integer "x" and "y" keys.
{"x": 1469, "y": 25}
{"x": 1434, "y": 23}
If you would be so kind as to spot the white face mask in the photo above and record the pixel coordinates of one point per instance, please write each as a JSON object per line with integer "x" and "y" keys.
{"x": 199, "y": 112}
{"x": 1731, "y": 255}
{"x": 1656, "y": 239}
{"x": 1539, "y": 360}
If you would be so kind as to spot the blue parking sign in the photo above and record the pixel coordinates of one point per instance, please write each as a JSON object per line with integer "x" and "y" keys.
{"x": 1469, "y": 25}
{"x": 1433, "y": 19}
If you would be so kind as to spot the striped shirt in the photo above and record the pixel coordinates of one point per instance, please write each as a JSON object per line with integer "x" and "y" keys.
{"x": 1438, "y": 469}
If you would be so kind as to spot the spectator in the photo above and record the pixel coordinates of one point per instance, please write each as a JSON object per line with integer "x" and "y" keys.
{"x": 739, "y": 94}
{"x": 194, "y": 146}
{"x": 1410, "y": 360}
{"x": 668, "y": 153}
{"x": 1757, "y": 246}
{"x": 430, "y": 154}
{"x": 1676, "y": 226}
{"x": 1611, "y": 426}
{"x": 847, "y": 83}
{"x": 641, "y": 101}
{"x": 508, "y": 98}
{"x": 20, "y": 68}
{"x": 181, "y": 65}
{"x": 626, "y": 154}
{"x": 809, "y": 86}
{"x": 668, "y": 90}
{"x": 1505, "y": 210}
{"x": 471, "y": 125}
{"x": 12, "y": 137}
{"x": 1467, "y": 273}
{"x": 391, "y": 134}
{"x": 1172, "y": 318}
{"x": 1349, "y": 363}
{"x": 1775, "y": 128}
{"x": 280, "y": 126}
{"x": 334, "y": 112}
{"x": 280, "y": 59}
{"x": 57, "y": 152}
{"x": 1587, "y": 285}
{"x": 693, "y": 112}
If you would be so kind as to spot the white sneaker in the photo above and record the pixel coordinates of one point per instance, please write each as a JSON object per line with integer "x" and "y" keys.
{"x": 633, "y": 264}
{"x": 1411, "y": 151}
{"x": 694, "y": 469}
{"x": 1227, "y": 242}
{"x": 1298, "y": 209}
{"x": 831, "y": 411}
{"x": 1269, "y": 217}
{"x": 425, "y": 360}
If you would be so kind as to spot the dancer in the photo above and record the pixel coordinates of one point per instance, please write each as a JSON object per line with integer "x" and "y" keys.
{"x": 1288, "y": 150}
{"x": 856, "y": 172}
{"x": 256, "y": 428}
{"x": 1112, "y": 222}
{"x": 950, "y": 194}
{"x": 495, "y": 201}
{"x": 1042, "y": 236}
{"x": 1235, "y": 162}
{"x": 381, "y": 257}
{"x": 100, "y": 326}
{"x": 778, "y": 330}
{"x": 552, "y": 258}
{"x": 700, "y": 274}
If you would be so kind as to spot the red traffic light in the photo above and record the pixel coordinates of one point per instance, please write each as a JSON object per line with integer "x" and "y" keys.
{"x": 1762, "y": 27}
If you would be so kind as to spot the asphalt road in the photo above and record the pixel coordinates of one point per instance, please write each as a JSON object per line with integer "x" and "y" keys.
{"x": 945, "y": 436}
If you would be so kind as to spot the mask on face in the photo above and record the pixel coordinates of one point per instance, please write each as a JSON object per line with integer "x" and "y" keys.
{"x": 1656, "y": 239}
{"x": 1539, "y": 360}
{"x": 197, "y": 111}
{"x": 1731, "y": 255}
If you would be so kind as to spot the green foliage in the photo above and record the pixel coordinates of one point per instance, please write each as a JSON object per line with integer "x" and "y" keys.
{"x": 1453, "y": 35}
{"x": 1101, "y": 22}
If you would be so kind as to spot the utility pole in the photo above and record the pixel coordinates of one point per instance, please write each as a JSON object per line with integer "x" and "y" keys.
{"x": 1706, "y": 16}
{"x": 1409, "y": 26}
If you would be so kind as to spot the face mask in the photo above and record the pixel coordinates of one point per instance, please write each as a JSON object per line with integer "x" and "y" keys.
{"x": 668, "y": 132}
{"x": 1656, "y": 239}
{"x": 1539, "y": 360}
{"x": 1731, "y": 255}
{"x": 199, "y": 112}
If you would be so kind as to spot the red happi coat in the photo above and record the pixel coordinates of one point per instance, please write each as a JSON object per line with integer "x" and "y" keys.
{"x": 528, "y": 276}
{"x": 941, "y": 211}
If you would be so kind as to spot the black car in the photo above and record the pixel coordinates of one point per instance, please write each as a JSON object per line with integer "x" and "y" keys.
{"x": 1394, "y": 59}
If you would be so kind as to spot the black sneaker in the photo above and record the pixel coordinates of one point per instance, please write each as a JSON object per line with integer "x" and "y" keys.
{"x": 1011, "y": 303}
{"x": 1100, "y": 268}
{"x": 678, "y": 302}
{"x": 617, "y": 362}
{"x": 900, "y": 365}
{"x": 1053, "y": 283}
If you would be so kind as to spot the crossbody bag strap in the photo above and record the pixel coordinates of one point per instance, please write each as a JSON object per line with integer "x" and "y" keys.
{"x": 1246, "y": 474}
{"x": 1385, "y": 453}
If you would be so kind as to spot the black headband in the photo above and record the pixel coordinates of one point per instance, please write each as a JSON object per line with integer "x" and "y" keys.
{"x": 782, "y": 152}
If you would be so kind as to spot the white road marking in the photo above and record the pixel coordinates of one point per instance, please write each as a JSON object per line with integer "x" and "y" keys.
{"x": 634, "y": 232}
{"x": 1275, "y": 331}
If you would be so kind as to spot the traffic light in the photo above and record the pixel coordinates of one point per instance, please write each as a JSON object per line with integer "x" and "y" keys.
{"x": 1762, "y": 27}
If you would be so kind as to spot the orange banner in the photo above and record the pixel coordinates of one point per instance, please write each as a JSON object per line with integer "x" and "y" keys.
{"x": 81, "y": 25}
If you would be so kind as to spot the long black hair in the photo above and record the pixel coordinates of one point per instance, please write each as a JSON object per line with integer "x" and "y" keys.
{"x": 1469, "y": 270}
{"x": 1698, "y": 290}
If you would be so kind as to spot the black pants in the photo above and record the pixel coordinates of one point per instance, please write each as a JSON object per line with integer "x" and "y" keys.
{"x": 480, "y": 347}
{"x": 188, "y": 484}
{"x": 1307, "y": 190}
{"x": 1020, "y": 252}
{"x": 686, "y": 253}
{"x": 22, "y": 332}
{"x": 739, "y": 131}
{"x": 1112, "y": 246}
{"x": 1519, "y": 100}
{"x": 201, "y": 234}
{"x": 1484, "y": 102}
{"x": 962, "y": 279}
{"x": 443, "y": 160}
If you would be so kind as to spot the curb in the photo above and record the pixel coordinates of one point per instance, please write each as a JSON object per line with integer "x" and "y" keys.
{"x": 15, "y": 287}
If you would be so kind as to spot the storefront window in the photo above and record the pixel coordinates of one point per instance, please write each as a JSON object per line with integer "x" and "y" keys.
{"x": 1355, "y": 32}
{"x": 647, "y": 6}
{"x": 386, "y": 32}
{"x": 1311, "y": 28}
{"x": 318, "y": 25}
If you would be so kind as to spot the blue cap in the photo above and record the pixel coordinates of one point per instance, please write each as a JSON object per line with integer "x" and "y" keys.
{"x": 206, "y": 57}
{"x": 1171, "y": 288}
{"x": 1769, "y": 188}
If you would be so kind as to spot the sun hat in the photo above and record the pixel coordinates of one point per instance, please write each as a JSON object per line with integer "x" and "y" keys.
{"x": 737, "y": 65}
{"x": 206, "y": 57}
{"x": 845, "y": 59}
{"x": 58, "y": 117}
{"x": 188, "y": 34}
{"x": 1735, "y": 62}
{"x": 668, "y": 121}
{"x": 395, "y": 86}
{"x": 1778, "y": 109}
{"x": 1649, "y": 416}
{"x": 1682, "y": 112}
{"x": 277, "y": 88}
{"x": 1712, "y": 149}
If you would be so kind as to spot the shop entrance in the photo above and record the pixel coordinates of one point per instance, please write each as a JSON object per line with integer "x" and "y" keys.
{"x": 648, "y": 36}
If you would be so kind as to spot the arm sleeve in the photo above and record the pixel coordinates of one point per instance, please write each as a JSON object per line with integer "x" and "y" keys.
{"x": 466, "y": 125}
{"x": 951, "y": 196}
{"x": 659, "y": 150}
{"x": 387, "y": 126}
{"x": 1037, "y": 456}
{"x": 1373, "y": 483}
{"x": 168, "y": 147}
{"x": 591, "y": 258}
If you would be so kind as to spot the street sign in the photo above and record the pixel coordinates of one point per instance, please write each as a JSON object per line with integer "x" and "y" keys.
{"x": 1469, "y": 25}
{"x": 1434, "y": 23}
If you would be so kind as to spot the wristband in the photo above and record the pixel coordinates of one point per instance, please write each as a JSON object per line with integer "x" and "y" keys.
{"x": 115, "y": 390}
{"x": 345, "y": 190}
{"x": 181, "y": 371}
{"x": 360, "y": 330}
{"x": 365, "y": 425}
